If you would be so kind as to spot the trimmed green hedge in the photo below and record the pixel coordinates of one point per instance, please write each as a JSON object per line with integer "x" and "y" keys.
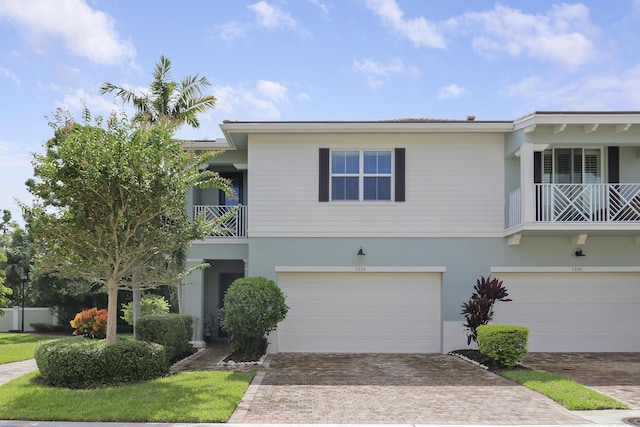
{"x": 253, "y": 308}
{"x": 81, "y": 363}
{"x": 172, "y": 330}
{"x": 505, "y": 344}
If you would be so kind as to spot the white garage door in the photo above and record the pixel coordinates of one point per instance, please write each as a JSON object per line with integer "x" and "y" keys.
{"x": 360, "y": 312}
{"x": 574, "y": 311}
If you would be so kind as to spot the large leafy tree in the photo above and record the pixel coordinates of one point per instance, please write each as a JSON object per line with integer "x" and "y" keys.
{"x": 166, "y": 98}
{"x": 6, "y": 225}
{"x": 44, "y": 290}
{"x": 5, "y": 292}
{"x": 110, "y": 203}
{"x": 18, "y": 265}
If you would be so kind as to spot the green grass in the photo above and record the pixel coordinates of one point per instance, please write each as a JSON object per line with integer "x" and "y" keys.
{"x": 566, "y": 392}
{"x": 189, "y": 397}
{"x": 17, "y": 347}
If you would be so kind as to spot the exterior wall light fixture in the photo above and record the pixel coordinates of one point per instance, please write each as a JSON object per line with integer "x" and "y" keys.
{"x": 579, "y": 252}
{"x": 361, "y": 252}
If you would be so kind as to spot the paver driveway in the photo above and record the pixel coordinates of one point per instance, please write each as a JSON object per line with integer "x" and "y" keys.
{"x": 614, "y": 374}
{"x": 390, "y": 389}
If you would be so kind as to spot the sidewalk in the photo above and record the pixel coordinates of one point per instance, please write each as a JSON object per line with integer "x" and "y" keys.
{"x": 9, "y": 371}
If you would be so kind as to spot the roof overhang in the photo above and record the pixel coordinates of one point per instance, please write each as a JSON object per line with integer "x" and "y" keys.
{"x": 590, "y": 120}
{"x": 238, "y": 132}
{"x": 208, "y": 144}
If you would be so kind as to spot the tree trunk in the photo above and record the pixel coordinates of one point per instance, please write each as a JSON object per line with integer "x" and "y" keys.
{"x": 112, "y": 309}
{"x": 137, "y": 310}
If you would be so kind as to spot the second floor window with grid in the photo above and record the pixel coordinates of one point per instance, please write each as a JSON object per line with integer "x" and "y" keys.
{"x": 361, "y": 175}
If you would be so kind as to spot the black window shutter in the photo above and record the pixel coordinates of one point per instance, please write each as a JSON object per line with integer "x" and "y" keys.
{"x": 537, "y": 167}
{"x": 400, "y": 174}
{"x": 613, "y": 156}
{"x": 323, "y": 176}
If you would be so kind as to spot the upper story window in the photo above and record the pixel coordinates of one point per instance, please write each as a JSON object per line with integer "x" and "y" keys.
{"x": 572, "y": 166}
{"x": 360, "y": 175}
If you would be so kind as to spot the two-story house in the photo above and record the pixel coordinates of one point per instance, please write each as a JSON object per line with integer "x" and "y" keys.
{"x": 376, "y": 231}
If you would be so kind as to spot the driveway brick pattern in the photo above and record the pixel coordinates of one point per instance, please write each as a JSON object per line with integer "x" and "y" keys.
{"x": 390, "y": 389}
{"x": 614, "y": 374}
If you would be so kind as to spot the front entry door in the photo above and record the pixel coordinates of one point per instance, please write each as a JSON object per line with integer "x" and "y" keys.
{"x": 226, "y": 279}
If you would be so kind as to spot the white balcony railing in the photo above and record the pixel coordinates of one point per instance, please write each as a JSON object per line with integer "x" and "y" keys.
{"x": 591, "y": 203}
{"x": 233, "y": 218}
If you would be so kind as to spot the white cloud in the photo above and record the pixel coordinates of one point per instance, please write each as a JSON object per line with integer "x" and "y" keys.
{"x": 14, "y": 157}
{"x": 75, "y": 100}
{"x": 562, "y": 35}
{"x": 620, "y": 91}
{"x": 271, "y": 17}
{"x": 303, "y": 97}
{"x": 266, "y": 100}
{"x": 15, "y": 169}
{"x": 323, "y": 7}
{"x": 10, "y": 75}
{"x": 232, "y": 31}
{"x": 452, "y": 91}
{"x": 376, "y": 72}
{"x": 84, "y": 31}
{"x": 419, "y": 31}
{"x": 272, "y": 90}
{"x": 261, "y": 107}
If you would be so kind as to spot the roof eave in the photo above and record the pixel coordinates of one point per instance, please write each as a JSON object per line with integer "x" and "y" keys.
{"x": 237, "y": 131}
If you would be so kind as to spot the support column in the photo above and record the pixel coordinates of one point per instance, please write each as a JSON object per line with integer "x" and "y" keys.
{"x": 191, "y": 299}
{"x": 527, "y": 186}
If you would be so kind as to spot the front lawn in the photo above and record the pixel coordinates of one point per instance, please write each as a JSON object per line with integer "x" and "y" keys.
{"x": 566, "y": 392}
{"x": 190, "y": 397}
{"x": 15, "y": 347}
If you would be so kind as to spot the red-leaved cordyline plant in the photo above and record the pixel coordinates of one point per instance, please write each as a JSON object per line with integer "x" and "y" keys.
{"x": 479, "y": 309}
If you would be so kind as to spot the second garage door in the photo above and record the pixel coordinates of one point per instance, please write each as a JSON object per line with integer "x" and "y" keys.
{"x": 361, "y": 312}
{"x": 574, "y": 311}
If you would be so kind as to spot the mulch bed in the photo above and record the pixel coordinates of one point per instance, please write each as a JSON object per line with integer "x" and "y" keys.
{"x": 474, "y": 356}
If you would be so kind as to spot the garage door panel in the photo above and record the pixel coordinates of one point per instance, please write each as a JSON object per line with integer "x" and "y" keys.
{"x": 574, "y": 311}
{"x": 628, "y": 294}
{"x": 356, "y": 312}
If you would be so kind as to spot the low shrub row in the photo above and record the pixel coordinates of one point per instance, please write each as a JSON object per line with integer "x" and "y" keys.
{"x": 82, "y": 363}
{"x": 46, "y": 327}
{"x": 171, "y": 330}
{"x": 79, "y": 363}
{"x": 505, "y": 344}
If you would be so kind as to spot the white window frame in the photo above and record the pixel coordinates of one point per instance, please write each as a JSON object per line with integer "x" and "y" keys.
{"x": 361, "y": 175}
{"x": 583, "y": 148}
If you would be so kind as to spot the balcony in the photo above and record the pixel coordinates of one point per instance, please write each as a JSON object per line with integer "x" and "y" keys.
{"x": 578, "y": 204}
{"x": 234, "y": 219}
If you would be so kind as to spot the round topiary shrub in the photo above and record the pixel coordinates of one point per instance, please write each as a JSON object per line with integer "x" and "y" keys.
{"x": 253, "y": 307}
{"x": 80, "y": 363}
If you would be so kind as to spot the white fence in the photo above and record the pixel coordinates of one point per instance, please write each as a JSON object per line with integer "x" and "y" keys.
{"x": 12, "y": 319}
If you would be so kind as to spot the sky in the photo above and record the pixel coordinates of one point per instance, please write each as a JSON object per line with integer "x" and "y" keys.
{"x": 312, "y": 60}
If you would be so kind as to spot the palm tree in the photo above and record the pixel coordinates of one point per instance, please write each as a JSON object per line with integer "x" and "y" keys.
{"x": 167, "y": 99}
